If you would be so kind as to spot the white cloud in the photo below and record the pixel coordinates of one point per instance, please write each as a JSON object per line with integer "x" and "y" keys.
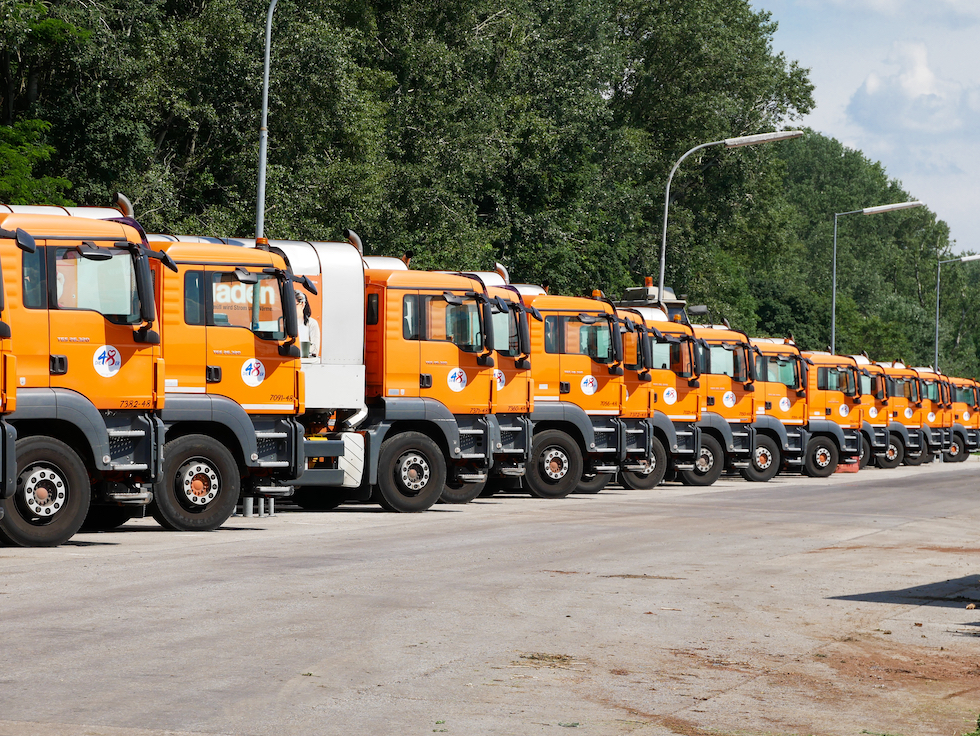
{"x": 947, "y": 11}
{"x": 914, "y": 100}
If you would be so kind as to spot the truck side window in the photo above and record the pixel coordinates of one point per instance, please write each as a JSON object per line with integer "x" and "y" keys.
{"x": 256, "y": 307}
{"x": 194, "y": 298}
{"x": 32, "y": 268}
{"x": 410, "y": 317}
{"x": 373, "y": 312}
{"x": 551, "y": 334}
{"x": 505, "y": 340}
{"x": 107, "y": 287}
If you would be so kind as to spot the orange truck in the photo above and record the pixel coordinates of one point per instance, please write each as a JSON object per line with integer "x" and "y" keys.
{"x": 966, "y": 420}
{"x": 84, "y": 324}
{"x": 874, "y": 409}
{"x": 937, "y": 415}
{"x": 781, "y": 416}
{"x": 905, "y": 437}
{"x": 727, "y": 376}
{"x": 834, "y": 414}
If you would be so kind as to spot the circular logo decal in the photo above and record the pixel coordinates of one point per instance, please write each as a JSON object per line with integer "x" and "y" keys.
{"x": 728, "y": 399}
{"x": 499, "y": 378}
{"x": 589, "y": 385}
{"x": 932, "y": 416}
{"x": 784, "y": 404}
{"x": 253, "y": 372}
{"x": 873, "y": 412}
{"x": 844, "y": 411}
{"x": 107, "y": 361}
{"x": 908, "y": 412}
{"x": 966, "y": 416}
{"x": 670, "y": 396}
{"x": 456, "y": 379}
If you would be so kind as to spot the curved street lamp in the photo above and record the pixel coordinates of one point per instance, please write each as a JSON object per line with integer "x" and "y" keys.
{"x": 745, "y": 140}
{"x": 264, "y": 130}
{"x": 963, "y": 259}
{"x": 833, "y": 298}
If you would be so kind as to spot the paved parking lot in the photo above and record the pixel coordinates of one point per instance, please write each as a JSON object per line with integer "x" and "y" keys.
{"x": 800, "y": 606}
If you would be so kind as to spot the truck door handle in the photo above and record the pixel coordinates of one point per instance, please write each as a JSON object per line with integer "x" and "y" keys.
{"x": 59, "y": 365}
{"x": 768, "y": 405}
{"x": 564, "y": 387}
{"x": 711, "y": 401}
{"x": 213, "y": 374}
{"x": 828, "y": 412}
{"x": 425, "y": 380}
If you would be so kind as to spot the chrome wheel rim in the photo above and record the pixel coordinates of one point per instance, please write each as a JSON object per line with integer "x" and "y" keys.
{"x": 412, "y": 469}
{"x": 198, "y": 482}
{"x": 821, "y": 457}
{"x": 555, "y": 463}
{"x": 705, "y": 462}
{"x": 43, "y": 490}
{"x": 763, "y": 458}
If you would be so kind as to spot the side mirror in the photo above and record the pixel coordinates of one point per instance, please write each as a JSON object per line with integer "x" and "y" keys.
{"x": 25, "y": 241}
{"x": 645, "y": 377}
{"x": 146, "y": 336}
{"x": 750, "y": 387}
{"x": 485, "y": 360}
{"x": 4, "y": 331}
{"x": 694, "y": 383}
{"x": 616, "y": 370}
{"x": 884, "y": 402}
{"x": 289, "y": 350}
{"x": 246, "y": 277}
{"x": 801, "y": 392}
{"x": 522, "y": 364}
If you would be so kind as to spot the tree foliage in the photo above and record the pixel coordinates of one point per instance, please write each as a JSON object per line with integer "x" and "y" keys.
{"x": 538, "y": 134}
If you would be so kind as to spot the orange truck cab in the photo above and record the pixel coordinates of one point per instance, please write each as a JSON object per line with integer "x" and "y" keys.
{"x": 781, "y": 408}
{"x": 833, "y": 406}
{"x": 874, "y": 409}
{"x": 905, "y": 437}
{"x": 966, "y": 420}
{"x": 577, "y": 372}
{"x": 727, "y": 385}
{"x": 84, "y": 324}
{"x": 673, "y": 390}
{"x": 937, "y": 415}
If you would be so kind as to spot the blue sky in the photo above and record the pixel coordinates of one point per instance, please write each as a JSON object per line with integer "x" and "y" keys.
{"x": 900, "y": 81}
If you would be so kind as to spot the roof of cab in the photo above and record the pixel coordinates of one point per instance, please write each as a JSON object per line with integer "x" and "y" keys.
{"x": 718, "y": 333}
{"x": 407, "y": 279}
{"x": 183, "y": 252}
{"x": 818, "y": 357}
{"x": 554, "y": 302}
{"x": 774, "y": 346}
{"x": 60, "y": 226}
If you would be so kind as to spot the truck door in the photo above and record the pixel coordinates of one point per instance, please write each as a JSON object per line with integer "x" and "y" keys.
{"x": 586, "y": 352}
{"x": 673, "y": 369}
{"x": 185, "y": 330}
{"x": 783, "y": 379}
{"x": 509, "y": 389}
{"x": 245, "y": 328}
{"x": 29, "y": 315}
{"x": 451, "y": 341}
{"x": 728, "y": 370}
{"x": 403, "y": 374}
{"x": 92, "y": 342}
{"x": 838, "y": 386}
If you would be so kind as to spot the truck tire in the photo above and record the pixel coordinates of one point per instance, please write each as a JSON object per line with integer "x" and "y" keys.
{"x": 411, "y": 473}
{"x": 865, "y": 453}
{"x": 645, "y": 481}
{"x": 594, "y": 483}
{"x": 459, "y": 492}
{"x": 766, "y": 461}
{"x": 709, "y": 465}
{"x": 893, "y": 455}
{"x": 916, "y": 460}
{"x": 318, "y": 499}
{"x": 52, "y": 496}
{"x": 107, "y": 518}
{"x": 199, "y": 486}
{"x": 821, "y": 457}
{"x": 555, "y": 466}
{"x": 956, "y": 452}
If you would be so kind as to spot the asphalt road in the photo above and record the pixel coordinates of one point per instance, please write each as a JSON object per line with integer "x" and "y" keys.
{"x": 799, "y": 606}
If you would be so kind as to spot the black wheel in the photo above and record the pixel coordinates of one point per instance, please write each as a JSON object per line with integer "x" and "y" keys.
{"x": 766, "y": 460}
{"x": 555, "y": 466}
{"x": 915, "y": 460}
{"x": 107, "y": 518}
{"x": 956, "y": 452}
{"x": 821, "y": 457}
{"x": 709, "y": 465}
{"x": 318, "y": 499}
{"x": 52, "y": 496}
{"x": 594, "y": 483}
{"x": 645, "y": 481}
{"x": 411, "y": 473}
{"x": 200, "y": 485}
{"x": 865, "y": 453}
{"x": 459, "y": 492}
{"x": 893, "y": 455}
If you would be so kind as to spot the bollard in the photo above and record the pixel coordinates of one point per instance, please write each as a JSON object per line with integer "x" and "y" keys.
{"x": 261, "y": 506}
{"x": 272, "y": 507}
{"x": 248, "y": 506}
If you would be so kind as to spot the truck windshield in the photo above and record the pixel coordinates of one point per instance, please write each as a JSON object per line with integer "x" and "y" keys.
{"x": 964, "y": 394}
{"x": 104, "y": 286}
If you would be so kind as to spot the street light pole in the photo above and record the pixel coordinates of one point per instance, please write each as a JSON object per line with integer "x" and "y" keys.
{"x": 963, "y": 259}
{"x": 264, "y": 130}
{"x": 833, "y": 296}
{"x": 745, "y": 140}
